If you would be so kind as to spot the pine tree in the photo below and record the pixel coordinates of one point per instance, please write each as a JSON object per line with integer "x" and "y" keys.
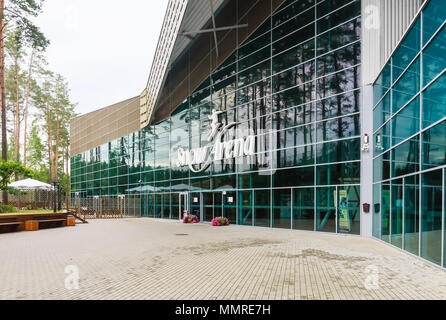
{"x": 16, "y": 14}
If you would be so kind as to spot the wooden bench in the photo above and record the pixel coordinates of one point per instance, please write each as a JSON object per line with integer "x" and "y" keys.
{"x": 34, "y": 225}
{"x": 32, "y": 222}
{"x": 10, "y": 226}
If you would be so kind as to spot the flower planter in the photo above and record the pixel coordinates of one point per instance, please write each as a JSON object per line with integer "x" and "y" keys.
{"x": 190, "y": 218}
{"x": 220, "y": 221}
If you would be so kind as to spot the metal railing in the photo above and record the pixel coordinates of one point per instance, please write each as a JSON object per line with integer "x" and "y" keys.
{"x": 38, "y": 199}
{"x": 108, "y": 207}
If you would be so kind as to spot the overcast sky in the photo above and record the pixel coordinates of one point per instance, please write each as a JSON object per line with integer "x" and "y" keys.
{"x": 103, "y": 47}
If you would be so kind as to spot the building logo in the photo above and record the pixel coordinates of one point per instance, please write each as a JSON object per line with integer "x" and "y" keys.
{"x": 199, "y": 159}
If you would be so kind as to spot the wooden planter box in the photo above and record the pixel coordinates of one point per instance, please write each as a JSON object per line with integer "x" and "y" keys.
{"x": 71, "y": 221}
{"x": 31, "y": 225}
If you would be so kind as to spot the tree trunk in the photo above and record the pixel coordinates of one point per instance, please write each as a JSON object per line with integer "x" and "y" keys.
{"x": 56, "y": 157}
{"x": 50, "y": 139}
{"x": 56, "y": 151}
{"x": 28, "y": 89}
{"x": 17, "y": 116}
{"x": 68, "y": 190}
{"x": 2, "y": 91}
{"x": 67, "y": 186}
{"x": 17, "y": 113}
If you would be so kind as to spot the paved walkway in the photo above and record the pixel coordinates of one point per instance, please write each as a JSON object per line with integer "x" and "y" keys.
{"x": 152, "y": 259}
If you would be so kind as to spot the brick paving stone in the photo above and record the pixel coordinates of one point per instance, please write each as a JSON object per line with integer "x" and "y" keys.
{"x": 146, "y": 259}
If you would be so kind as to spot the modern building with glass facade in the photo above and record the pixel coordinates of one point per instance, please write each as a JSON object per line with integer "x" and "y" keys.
{"x": 312, "y": 115}
{"x": 410, "y": 139}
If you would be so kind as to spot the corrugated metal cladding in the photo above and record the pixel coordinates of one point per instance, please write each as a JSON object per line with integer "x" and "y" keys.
{"x": 381, "y": 37}
{"x": 169, "y": 31}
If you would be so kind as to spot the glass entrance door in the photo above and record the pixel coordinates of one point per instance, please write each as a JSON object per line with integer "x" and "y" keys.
{"x": 183, "y": 205}
{"x": 230, "y": 206}
{"x": 208, "y": 202}
{"x": 219, "y": 204}
{"x": 196, "y": 205}
{"x": 208, "y": 205}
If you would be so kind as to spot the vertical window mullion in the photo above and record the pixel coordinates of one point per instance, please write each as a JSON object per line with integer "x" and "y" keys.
{"x": 420, "y": 160}
{"x": 403, "y": 233}
{"x": 292, "y": 208}
{"x": 271, "y": 101}
{"x": 337, "y": 208}
{"x": 443, "y": 218}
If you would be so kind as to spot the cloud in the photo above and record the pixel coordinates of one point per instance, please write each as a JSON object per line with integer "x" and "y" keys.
{"x": 103, "y": 47}
{"x": 71, "y": 17}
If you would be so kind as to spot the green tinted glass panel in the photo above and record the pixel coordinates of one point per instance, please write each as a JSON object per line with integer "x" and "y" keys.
{"x": 294, "y": 56}
{"x": 339, "y": 16}
{"x": 303, "y": 209}
{"x": 262, "y": 208}
{"x": 406, "y": 87}
{"x": 431, "y": 216}
{"x": 382, "y": 112}
{"x": 339, "y": 151}
{"x": 325, "y": 7}
{"x": 406, "y": 158}
{"x": 407, "y": 122}
{"x": 326, "y": 209}
{"x": 282, "y": 209}
{"x": 397, "y": 213}
{"x": 338, "y": 128}
{"x": 295, "y": 23}
{"x": 294, "y": 177}
{"x": 434, "y": 102}
{"x": 382, "y": 84}
{"x": 245, "y": 209}
{"x": 407, "y": 51}
{"x": 433, "y": 16}
{"x": 411, "y": 214}
{"x": 434, "y": 146}
{"x": 434, "y": 59}
{"x": 385, "y": 212}
{"x": 335, "y": 38}
{"x": 290, "y": 9}
{"x": 342, "y": 173}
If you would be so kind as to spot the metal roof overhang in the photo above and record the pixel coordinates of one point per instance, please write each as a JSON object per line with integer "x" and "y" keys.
{"x": 197, "y": 16}
{"x": 204, "y": 19}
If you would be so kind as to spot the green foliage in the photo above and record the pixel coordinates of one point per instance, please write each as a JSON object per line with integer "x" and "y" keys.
{"x": 31, "y": 86}
{"x": 36, "y": 151}
{"x": 41, "y": 175}
{"x": 15, "y": 80}
{"x": 8, "y": 169}
{"x": 6, "y": 208}
{"x": 19, "y": 12}
{"x": 10, "y": 150}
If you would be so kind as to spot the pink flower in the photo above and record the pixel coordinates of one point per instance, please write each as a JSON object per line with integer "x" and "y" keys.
{"x": 220, "y": 221}
{"x": 190, "y": 218}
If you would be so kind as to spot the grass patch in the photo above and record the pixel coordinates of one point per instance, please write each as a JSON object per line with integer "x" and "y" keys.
{"x": 38, "y": 211}
{"x": 6, "y": 208}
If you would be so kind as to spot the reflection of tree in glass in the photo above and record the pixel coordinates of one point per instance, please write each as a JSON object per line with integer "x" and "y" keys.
{"x": 339, "y": 82}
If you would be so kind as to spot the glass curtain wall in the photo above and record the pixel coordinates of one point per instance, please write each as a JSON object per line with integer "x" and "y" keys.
{"x": 295, "y": 84}
{"x": 410, "y": 140}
